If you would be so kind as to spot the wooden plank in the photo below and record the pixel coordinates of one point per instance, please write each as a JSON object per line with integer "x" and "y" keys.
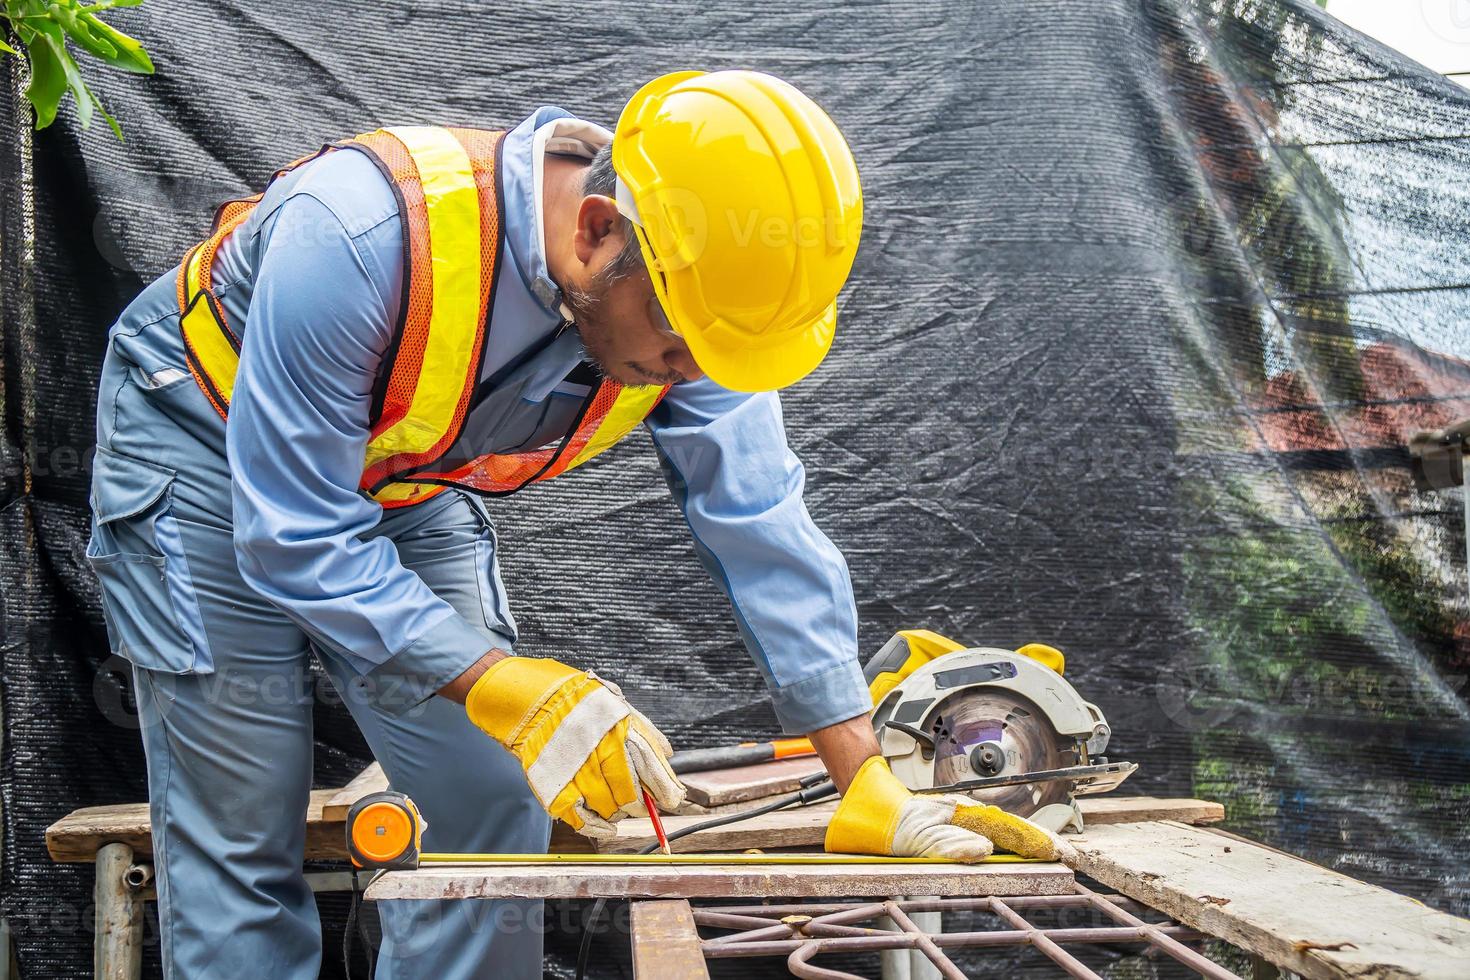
{"x": 1100, "y": 810}
{"x": 1300, "y": 916}
{"x": 325, "y": 839}
{"x": 743, "y": 783}
{"x": 78, "y": 836}
{"x": 374, "y": 780}
{"x": 562, "y": 880}
{"x": 721, "y": 790}
{"x": 665, "y": 942}
{"x": 370, "y": 780}
{"x": 740, "y": 784}
{"x": 807, "y": 826}
{"x": 802, "y": 827}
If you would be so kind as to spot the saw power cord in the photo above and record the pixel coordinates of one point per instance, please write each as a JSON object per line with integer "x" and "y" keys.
{"x": 357, "y": 925}
{"x": 817, "y": 787}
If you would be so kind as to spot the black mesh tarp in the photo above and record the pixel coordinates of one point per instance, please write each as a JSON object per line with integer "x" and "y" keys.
{"x": 1151, "y": 295}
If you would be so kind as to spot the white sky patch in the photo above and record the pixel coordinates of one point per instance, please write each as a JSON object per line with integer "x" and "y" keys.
{"x": 1435, "y": 33}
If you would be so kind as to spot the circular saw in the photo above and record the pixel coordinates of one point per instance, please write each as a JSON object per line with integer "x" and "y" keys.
{"x": 1003, "y": 726}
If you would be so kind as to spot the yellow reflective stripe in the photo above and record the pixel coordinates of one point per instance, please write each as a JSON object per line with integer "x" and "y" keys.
{"x": 191, "y": 273}
{"x": 402, "y": 491}
{"x": 205, "y": 335}
{"x": 631, "y": 407}
{"x": 453, "y": 216}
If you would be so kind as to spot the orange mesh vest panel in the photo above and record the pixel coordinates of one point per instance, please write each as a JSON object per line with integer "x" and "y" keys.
{"x": 448, "y": 187}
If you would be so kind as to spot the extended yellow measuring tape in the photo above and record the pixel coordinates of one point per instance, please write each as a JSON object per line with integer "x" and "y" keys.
{"x": 711, "y": 859}
{"x": 385, "y": 831}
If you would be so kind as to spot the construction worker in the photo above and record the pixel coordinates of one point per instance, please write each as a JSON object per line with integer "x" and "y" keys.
{"x": 301, "y": 431}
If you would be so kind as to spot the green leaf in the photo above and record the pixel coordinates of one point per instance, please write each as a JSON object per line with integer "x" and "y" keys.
{"x": 44, "y": 27}
{"x": 17, "y": 10}
{"x": 48, "y": 81}
{"x": 130, "y": 54}
{"x": 81, "y": 32}
{"x": 51, "y": 35}
{"x": 116, "y": 129}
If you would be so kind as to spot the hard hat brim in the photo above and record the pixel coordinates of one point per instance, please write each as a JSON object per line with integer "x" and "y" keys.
{"x": 768, "y": 367}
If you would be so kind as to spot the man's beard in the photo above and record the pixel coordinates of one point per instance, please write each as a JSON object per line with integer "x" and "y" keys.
{"x": 584, "y": 305}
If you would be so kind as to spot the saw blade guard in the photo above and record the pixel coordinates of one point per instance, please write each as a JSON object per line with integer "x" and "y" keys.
{"x": 988, "y": 712}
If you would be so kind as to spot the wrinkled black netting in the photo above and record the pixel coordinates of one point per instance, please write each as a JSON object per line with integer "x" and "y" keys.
{"x": 1150, "y": 296}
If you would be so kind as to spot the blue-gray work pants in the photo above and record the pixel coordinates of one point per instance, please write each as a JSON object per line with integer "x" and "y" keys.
{"x": 226, "y": 707}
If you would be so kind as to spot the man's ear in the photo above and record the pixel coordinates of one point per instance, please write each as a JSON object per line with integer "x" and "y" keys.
{"x": 598, "y": 229}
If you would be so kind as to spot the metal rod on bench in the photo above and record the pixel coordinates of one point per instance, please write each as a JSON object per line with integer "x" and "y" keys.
{"x": 1157, "y": 937}
{"x": 1039, "y": 940}
{"x": 138, "y": 876}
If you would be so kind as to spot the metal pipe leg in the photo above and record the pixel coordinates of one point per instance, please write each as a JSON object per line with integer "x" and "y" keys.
{"x": 118, "y": 940}
{"x": 894, "y": 963}
{"x": 920, "y": 968}
{"x": 910, "y": 964}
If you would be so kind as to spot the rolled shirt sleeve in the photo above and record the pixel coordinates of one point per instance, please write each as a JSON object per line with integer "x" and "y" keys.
{"x": 740, "y": 487}
{"x": 318, "y": 323}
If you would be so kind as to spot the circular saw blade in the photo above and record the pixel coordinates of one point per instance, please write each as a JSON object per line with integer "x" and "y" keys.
{"x": 1027, "y": 740}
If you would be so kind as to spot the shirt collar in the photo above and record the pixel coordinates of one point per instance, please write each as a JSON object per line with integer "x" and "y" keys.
{"x": 567, "y": 136}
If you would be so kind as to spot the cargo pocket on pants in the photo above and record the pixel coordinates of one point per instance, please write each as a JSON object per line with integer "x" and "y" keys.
{"x": 153, "y": 618}
{"x": 494, "y": 602}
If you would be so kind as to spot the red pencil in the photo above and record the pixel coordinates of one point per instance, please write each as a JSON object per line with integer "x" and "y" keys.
{"x": 658, "y": 825}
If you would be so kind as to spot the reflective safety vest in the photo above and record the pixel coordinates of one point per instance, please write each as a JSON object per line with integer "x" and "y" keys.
{"x": 447, "y": 182}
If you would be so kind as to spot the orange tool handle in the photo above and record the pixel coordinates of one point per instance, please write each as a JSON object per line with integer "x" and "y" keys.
{"x": 786, "y": 748}
{"x": 744, "y": 754}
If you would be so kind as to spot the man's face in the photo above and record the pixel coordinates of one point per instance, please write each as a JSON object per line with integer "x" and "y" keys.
{"x": 623, "y": 329}
{"x": 625, "y": 334}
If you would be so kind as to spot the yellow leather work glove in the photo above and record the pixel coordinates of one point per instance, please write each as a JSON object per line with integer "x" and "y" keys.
{"x": 585, "y": 749}
{"x": 878, "y": 815}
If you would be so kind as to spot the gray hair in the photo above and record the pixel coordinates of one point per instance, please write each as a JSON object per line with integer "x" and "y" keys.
{"x": 600, "y": 178}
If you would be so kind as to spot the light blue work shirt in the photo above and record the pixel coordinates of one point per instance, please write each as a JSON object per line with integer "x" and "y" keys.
{"x": 315, "y": 276}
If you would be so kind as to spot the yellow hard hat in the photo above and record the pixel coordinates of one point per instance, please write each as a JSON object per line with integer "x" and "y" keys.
{"x": 747, "y": 207}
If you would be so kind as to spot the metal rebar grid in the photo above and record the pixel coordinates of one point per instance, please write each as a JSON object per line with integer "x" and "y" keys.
{"x": 802, "y": 932}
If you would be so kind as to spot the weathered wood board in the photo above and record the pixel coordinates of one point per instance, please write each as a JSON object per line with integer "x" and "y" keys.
{"x": 807, "y": 826}
{"x": 1298, "y": 915}
{"x": 802, "y": 827}
{"x": 665, "y": 942}
{"x": 723, "y": 790}
{"x": 370, "y": 780}
{"x": 77, "y": 836}
{"x": 563, "y": 880}
{"x": 707, "y": 790}
{"x": 741, "y": 784}
{"x": 1101, "y": 810}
